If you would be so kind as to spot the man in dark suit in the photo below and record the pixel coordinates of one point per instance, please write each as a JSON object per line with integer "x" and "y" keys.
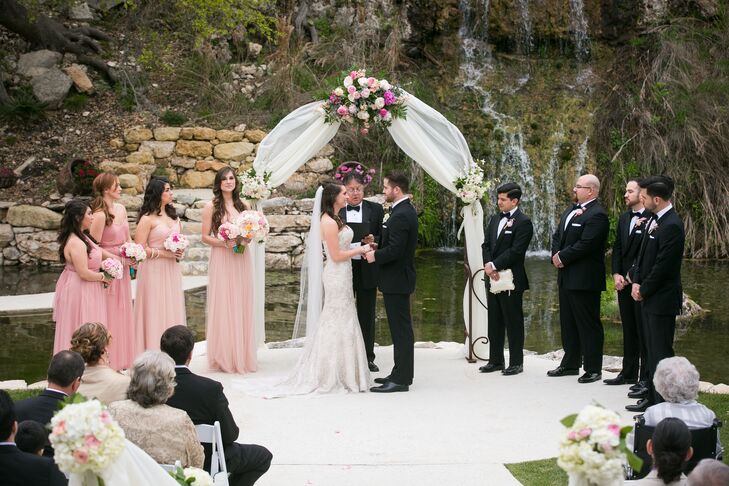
{"x": 395, "y": 258}
{"x": 18, "y": 468}
{"x": 365, "y": 219}
{"x": 629, "y": 234}
{"x": 64, "y": 378}
{"x": 578, "y": 253}
{"x": 657, "y": 277}
{"x": 506, "y": 240}
{"x": 204, "y": 401}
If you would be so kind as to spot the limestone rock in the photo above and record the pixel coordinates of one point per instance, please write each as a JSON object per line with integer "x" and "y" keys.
{"x": 255, "y": 135}
{"x": 233, "y": 150}
{"x": 326, "y": 151}
{"x": 80, "y": 79}
{"x": 11, "y": 253}
{"x": 131, "y": 203}
{"x": 186, "y": 133}
{"x": 34, "y": 216}
{"x": 720, "y": 389}
{"x": 167, "y": 134}
{"x": 51, "y": 87}
{"x": 41, "y": 245}
{"x": 297, "y": 261}
{"x": 301, "y": 181}
{"x": 194, "y": 268}
{"x": 191, "y": 228}
{"x": 705, "y": 386}
{"x": 137, "y": 134}
{"x": 160, "y": 150}
{"x": 240, "y": 128}
{"x": 196, "y": 179}
{"x": 191, "y": 148}
{"x": 277, "y": 261}
{"x": 131, "y": 147}
{"x": 6, "y": 235}
{"x": 142, "y": 157}
{"x": 276, "y": 205}
{"x": 289, "y": 222}
{"x": 229, "y": 136}
{"x": 203, "y": 133}
{"x": 305, "y": 205}
{"x": 80, "y": 11}
{"x": 280, "y": 243}
{"x": 193, "y": 214}
{"x": 320, "y": 165}
{"x": 209, "y": 165}
{"x": 143, "y": 171}
{"x": 184, "y": 162}
{"x": 131, "y": 181}
{"x": 43, "y": 59}
{"x": 197, "y": 254}
{"x": 116, "y": 143}
{"x": 254, "y": 49}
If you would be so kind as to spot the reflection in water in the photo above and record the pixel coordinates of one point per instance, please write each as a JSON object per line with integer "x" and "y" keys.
{"x": 436, "y": 307}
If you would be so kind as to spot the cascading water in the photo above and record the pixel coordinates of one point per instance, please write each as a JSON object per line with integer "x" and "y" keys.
{"x": 579, "y": 28}
{"x": 581, "y": 158}
{"x": 526, "y": 39}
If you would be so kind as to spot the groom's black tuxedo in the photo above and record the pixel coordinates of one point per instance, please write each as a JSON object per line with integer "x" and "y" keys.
{"x": 364, "y": 275}
{"x": 395, "y": 258}
{"x": 506, "y": 250}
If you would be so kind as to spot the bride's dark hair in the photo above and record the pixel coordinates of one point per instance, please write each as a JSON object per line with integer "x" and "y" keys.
{"x": 328, "y": 196}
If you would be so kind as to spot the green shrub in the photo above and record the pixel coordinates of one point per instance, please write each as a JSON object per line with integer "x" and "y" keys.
{"x": 23, "y": 107}
{"x": 173, "y": 118}
{"x": 75, "y": 102}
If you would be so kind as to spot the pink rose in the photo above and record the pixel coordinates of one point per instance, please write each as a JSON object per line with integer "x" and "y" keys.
{"x": 371, "y": 82}
{"x": 342, "y": 111}
{"x": 59, "y": 428}
{"x": 81, "y": 456}
{"x": 585, "y": 432}
{"x": 105, "y": 417}
{"x": 354, "y": 75}
{"x": 615, "y": 429}
{"x": 91, "y": 441}
{"x": 351, "y": 90}
{"x": 363, "y": 131}
{"x": 384, "y": 113}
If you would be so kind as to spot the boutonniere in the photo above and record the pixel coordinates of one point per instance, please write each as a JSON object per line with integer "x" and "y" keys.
{"x": 579, "y": 212}
{"x": 385, "y": 218}
{"x": 510, "y": 223}
{"x": 640, "y": 221}
{"x": 653, "y": 226}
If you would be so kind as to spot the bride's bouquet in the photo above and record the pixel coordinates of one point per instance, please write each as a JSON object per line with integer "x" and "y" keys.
{"x": 85, "y": 438}
{"x": 253, "y": 225}
{"x": 112, "y": 268}
{"x": 176, "y": 242}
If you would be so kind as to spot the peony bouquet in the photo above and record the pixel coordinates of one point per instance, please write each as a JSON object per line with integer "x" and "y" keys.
{"x": 112, "y": 268}
{"x": 175, "y": 242}
{"x": 231, "y": 232}
{"x": 592, "y": 450}
{"x": 472, "y": 186}
{"x": 85, "y": 438}
{"x": 364, "y": 101}
{"x": 253, "y": 225}
{"x": 135, "y": 252}
{"x": 255, "y": 186}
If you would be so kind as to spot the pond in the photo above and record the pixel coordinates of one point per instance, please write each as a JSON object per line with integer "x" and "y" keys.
{"x": 437, "y": 314}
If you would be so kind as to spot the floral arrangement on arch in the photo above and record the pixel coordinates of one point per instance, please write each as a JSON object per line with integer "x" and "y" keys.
{"x": 357, "y": 168}
{"x": 472, "y": 186}
{"x": 364, "y": 101}
{"x": 255, "y": 186}
{"x": 593, "y": 451}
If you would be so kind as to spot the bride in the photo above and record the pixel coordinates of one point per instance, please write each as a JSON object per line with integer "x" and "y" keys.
{"x": 334, "y": 358}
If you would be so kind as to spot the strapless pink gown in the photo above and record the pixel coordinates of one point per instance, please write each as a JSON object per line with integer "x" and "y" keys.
{"x": 160, "y": 301}
{"x": 120, "y": 320}
{"x": 230, "y": 332}
{"x": 77, "y": 301}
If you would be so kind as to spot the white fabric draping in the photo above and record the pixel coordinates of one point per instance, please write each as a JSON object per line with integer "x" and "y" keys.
{"x": 424, "y": 135}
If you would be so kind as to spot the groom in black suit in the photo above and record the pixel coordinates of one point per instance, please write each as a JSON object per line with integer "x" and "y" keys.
{"x": 395, "y": 258}
{"x": 365, "y": 219}
{"x": 656, "y": 277}
{"x": 505, "y": 244}
{"x": 578, "y": 253}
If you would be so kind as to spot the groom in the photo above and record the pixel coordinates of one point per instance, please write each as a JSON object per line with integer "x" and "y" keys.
{"x": 396, "y": 279}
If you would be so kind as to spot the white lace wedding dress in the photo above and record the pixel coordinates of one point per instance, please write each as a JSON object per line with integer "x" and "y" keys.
{"x": 334, "y": 358}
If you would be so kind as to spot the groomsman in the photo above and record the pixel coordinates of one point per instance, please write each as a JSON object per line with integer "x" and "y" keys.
{"x": 657, "y": 278}
{"x": 578, "y": 253}
{"x": 365, "y": 219}
{"x": 507, "y": 238}
{"x": 630, "y": 230}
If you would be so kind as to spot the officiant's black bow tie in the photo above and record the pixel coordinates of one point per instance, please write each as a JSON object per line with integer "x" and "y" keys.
{"x": 505, "y": 215}
{"x": 352, "y": 208}
{"x": 635, "y": 214}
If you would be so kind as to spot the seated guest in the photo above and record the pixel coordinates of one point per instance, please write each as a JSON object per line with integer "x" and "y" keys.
{"x": 91, "y": 341}
{"x": 18, "y": 468}
{"x": 163, "y": 432}
{"x": 709, "y": 472}
{"x": 670, "y": 449}
{"x": 31, "y": 437}
{"x": 64, "y": 378}
{"x": 204, "y": 401}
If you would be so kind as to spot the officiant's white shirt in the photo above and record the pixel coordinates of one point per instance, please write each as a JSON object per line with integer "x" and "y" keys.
{"x": 354, "y": 216}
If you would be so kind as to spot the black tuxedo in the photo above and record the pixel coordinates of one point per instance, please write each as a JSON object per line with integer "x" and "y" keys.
{"x": 204, "y": 401}
{"x": 40, "y": 409}
{"x": 364, "y": 275}
{"x": 506, "y": 316}
{"x": 625, "y": 252}
{"x": 395, "y": 258}
{"x": 18, "y": 468}
{"x": 581, "y": 247}
{"x": 658, "y": 271}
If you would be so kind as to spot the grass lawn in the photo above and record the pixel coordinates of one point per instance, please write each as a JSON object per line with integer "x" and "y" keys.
{"x": 545, "y": 472}
{"x": 21, "y": 394}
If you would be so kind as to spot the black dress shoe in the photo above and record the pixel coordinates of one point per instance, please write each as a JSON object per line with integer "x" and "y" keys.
{"x": 491, "y": 367}
{"x": 560, "y": 371}
{"x": 373, "y": 367}
{"x": 382, "y": 381}
{"x": 639, "y": 385}
{"x": 641, "y": 406}
{"x": 643, "y": 393}
{"x": 389, "y": 387}
{"x": 620, "y": 380}
{"x": 513, "y": 370}
{"x": 589, "y": 377}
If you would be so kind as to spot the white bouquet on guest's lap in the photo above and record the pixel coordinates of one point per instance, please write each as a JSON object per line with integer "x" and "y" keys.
{"x": 253, "y": 225}
{"x": 592, "y": 450}
{"x": 191, "y": 476}
{"x": 85, "y": 438}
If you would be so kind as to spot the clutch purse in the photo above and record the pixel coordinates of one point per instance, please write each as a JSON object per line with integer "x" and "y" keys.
{"x": 503, "y": 284}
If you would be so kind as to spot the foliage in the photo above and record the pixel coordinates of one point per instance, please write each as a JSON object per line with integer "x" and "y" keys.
{"x": 430, "y": 220}
{"x": 609, "y": 301}
{"x": 173, "y": 118}
{"x": 75, "y": 102}
{"x": 23, "y": 108}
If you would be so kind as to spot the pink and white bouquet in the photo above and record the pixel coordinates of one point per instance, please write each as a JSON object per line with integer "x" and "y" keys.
{"x": 112, "y": 268}
{"x": 175, "y": 242}
{"x": 85, "y": 437}
{"x": 134, "y": 251}
{"x": 472, "y": 186}
{"x": 364, "y": 101}
{"x": 255, "y": 186}
{"x": 253, "y": 225}
{"x": 231, "y": 232}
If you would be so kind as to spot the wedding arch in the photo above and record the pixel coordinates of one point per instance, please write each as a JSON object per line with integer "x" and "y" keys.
{"x": 425, "y": 135}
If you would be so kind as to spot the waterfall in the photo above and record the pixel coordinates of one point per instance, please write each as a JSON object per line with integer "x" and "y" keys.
{"x": 525, "y": 40}
{"x": 579, "y": 27}
{"x": 581, "y": 161}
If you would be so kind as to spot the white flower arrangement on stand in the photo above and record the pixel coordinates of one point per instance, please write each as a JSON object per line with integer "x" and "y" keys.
{"x": 255, "y": 186}
{"x": 472, "y": 186}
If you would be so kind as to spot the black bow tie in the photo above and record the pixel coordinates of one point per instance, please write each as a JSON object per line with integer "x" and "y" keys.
{"x": 505, "y": 215}
{"x": 635, "y": 214}
{"x": 576, "y": 207}
{"x": 352, "y": 208}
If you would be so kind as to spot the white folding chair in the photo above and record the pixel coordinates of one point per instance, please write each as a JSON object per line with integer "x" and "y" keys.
{"x": 210, "y": 434}
{"x": 171, "y": 468}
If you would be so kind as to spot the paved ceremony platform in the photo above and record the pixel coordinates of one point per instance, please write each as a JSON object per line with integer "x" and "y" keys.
{"x": 455, "y": 427}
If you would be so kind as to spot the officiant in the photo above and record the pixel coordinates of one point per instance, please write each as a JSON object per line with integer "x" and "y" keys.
{"x": 506, "y": 240}
{"x": 365, "y": 218}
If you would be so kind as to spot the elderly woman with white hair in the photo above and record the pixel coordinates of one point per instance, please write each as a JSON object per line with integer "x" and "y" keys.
{"x": 165, "y": 433}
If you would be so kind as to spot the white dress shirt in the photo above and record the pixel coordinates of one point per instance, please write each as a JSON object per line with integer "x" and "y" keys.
{"x": 354, "y": 216}
{"x": 634, "y": 219}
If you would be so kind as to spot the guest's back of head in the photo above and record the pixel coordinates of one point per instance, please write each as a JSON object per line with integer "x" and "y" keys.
{"x": 7, "y": 416}
{"x": 65, "y": 368}
{"x": 91, "y": 341}
{"x": 709, "y": 472}
{"x": 31, "y": 437}
{"x": 178, "y": 342}
{"x": 676, "y": 380}
{"x": 670, "y": 448}
{"x": 153, "y": 379}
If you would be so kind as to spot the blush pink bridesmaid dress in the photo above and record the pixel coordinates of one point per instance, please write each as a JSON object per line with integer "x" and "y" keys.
{"x": 231, "y": 337}
{"x": 120, "y": 320}
{"x": 77, "y": 301}
{"x": 160, "y": 301}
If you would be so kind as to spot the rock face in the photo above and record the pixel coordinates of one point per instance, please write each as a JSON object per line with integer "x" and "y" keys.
{"x": 51, "y": 87}
{"x": 233, "y": 150}
{"x": 34, "y": 216}
{"x": 195, "y": 179}
{"x": 137, "y": 134}
{"x": 35, "y": 61}
{"x": 160, "y": 150}
{"x": 41, "y": 245}
{"x": 191, "y": 148}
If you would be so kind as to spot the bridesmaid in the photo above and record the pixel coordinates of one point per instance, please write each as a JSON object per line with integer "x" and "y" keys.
{"x": 111, "y": 229}
{"x": 160, "y": 301}
{"x": 80, "y": 295}
{"x": 230, "y": 332}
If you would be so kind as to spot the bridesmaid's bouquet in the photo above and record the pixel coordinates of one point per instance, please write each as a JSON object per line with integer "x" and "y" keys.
{"x": 253, "y": 225}
{"x": 231, "y": 232}
{"x": 112, "y": 268}
{"x": 135, "y": 252}
{"x": 175, "y": 242}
